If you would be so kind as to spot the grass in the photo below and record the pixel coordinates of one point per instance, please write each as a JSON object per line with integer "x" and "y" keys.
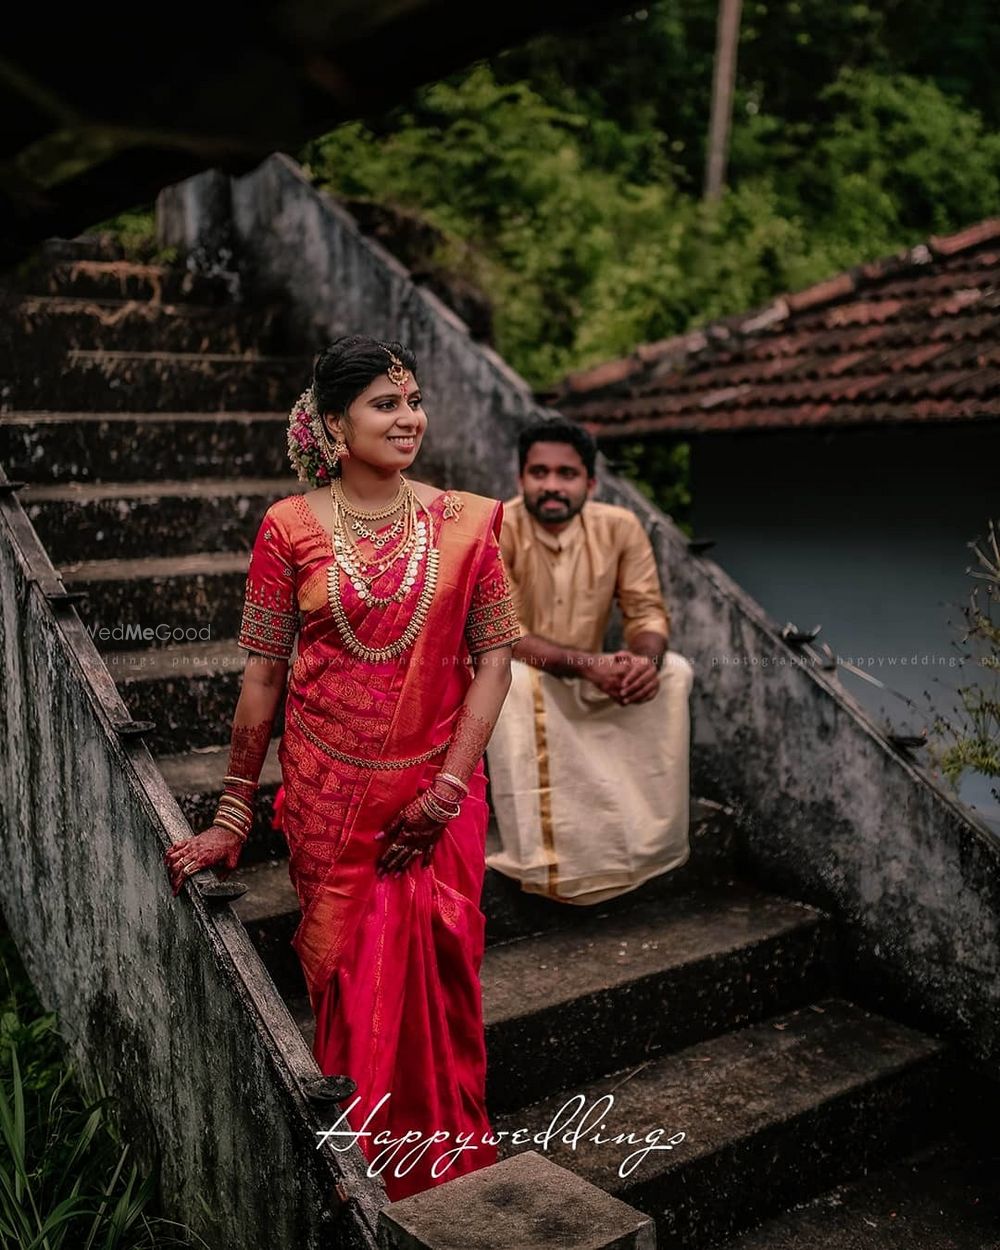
{"x": 67, "y": 1181}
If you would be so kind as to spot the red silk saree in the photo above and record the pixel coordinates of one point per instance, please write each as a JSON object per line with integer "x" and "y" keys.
{"x": 391, "y": 963}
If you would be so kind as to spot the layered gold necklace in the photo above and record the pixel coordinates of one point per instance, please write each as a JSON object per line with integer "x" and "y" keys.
{"x": 413, "y": 547}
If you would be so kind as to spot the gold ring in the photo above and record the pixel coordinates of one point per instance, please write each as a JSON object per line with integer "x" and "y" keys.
{"x": 186, "y": 864}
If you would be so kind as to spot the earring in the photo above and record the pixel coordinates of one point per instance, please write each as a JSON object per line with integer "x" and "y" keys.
{"x": 331, "y": 452}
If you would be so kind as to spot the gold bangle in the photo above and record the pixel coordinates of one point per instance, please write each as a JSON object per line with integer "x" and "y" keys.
{"x": 236, "y": 818}
{"x": 240, "y": 818}
{"x": 444, "y": 804}
{"x": 452, "y": 780}
{"x": 437, "y": 811}
{"x": 238, "y": 812}
{"x": 229, "y": 824}
{"x": 439, "y": 803}
{"x": 226, "y": 797}
{"x": 243, "y": 780}
{"x": 238, "y": 809}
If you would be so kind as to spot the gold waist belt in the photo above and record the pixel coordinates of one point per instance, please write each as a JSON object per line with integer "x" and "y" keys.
{"x": 360, "y": 761}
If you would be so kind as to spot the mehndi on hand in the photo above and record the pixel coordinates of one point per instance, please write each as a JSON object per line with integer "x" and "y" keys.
{"x": 415, "y": 830}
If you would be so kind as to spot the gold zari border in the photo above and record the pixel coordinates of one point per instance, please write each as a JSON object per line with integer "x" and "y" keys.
{"x": 544, "y": 783}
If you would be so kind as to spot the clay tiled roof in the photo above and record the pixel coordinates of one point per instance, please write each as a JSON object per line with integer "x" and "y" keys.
{"x": 913, "y": 338}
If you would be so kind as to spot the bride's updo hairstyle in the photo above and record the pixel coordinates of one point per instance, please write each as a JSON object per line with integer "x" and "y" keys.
{"x": 349, "y": 365}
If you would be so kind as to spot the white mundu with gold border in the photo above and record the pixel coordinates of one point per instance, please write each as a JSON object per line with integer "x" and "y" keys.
{"x": 591, "y": 798}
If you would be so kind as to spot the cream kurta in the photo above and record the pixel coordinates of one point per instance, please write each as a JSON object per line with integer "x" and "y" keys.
{"x": 591, "y": 798}
{"x": 565, "y": 583}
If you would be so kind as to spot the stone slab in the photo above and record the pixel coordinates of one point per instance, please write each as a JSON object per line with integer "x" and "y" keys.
{"x": 665, "y": 974}
{"x": 149, "y": 381}
{"x": 770, "y": 1115}
{"x": 523, "y": 1203}
{"x": 159, "y": 601}
{"x": 48, "y": 326}
{"x": 119, "y": 520}
{"x": 65, "y": 447}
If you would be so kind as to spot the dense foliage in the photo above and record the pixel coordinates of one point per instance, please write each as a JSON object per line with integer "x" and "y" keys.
{"x": 565, "y": 176}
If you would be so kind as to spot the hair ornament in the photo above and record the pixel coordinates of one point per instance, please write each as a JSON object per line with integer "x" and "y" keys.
{"x": 309, "y": 449}
{"x": 397, "y": 372}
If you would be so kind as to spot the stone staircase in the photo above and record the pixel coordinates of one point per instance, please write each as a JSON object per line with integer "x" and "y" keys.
{"x": 146, "y": 414}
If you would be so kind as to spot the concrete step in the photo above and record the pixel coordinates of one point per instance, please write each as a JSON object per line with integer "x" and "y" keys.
{"x": 48, "y": 326}
{"x": 273, "y": 906}
{"x": 113, "y": 381}
{"x": 195, "y": 779}
{"x": 944, "y": 1196}
{"x": 270, "y": 912}
{"x": 55, "y": 447}
{"x": 189, "y": 691}
{"x": 634, "y": 984}
{"x": 128, "y": 520}
{"x": 160, "y": 601}
{"x": 771, "y": 1115}
{"x": 114, "y": 278}
{"x": 101, "y": 246}
{"x": 757, "y": 953}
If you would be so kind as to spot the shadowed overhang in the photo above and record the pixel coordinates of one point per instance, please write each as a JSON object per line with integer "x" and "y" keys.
{"x": 102, "y": 106}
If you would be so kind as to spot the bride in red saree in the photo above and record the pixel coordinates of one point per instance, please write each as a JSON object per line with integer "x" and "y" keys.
{"x": 402, "y": 665}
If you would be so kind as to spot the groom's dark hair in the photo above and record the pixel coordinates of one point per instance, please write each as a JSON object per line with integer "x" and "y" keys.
{"x": 558, "y": 432}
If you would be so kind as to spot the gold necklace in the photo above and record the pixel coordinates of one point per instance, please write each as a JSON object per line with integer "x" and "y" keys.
{"x": 351, "y": 560}
{"x": 381, "y": 560}
{"x": 352, "y": 643}
{"x": 372, "y": 569}
{"x": 378, "y": 540}
{"x": 360, "y": 514}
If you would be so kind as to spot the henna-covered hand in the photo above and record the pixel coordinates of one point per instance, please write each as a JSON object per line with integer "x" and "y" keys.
{"x": 249, "y": 749}
{"x": 215, "y": 847}
{"x": 410, "y": 833}
{"x": 469, "y": 737}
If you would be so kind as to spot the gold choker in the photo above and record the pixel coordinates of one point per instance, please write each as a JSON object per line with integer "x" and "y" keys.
{"x": 362, "y": 514}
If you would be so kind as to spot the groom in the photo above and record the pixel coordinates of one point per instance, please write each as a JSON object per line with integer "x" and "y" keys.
{"x": 588, "y": 762}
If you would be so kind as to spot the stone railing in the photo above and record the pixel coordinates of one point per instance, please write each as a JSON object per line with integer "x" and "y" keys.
{"x": 163, "y": 998}
{"x": 833, "y": 812}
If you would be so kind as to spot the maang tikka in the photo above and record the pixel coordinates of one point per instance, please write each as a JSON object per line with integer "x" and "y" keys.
{"x": 397, "y": 372}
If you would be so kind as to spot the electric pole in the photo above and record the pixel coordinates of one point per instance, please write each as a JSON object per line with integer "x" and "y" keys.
{"x": 723, "y": 79}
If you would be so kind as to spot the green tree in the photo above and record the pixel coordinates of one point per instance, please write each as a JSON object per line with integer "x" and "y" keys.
{"x": 580, "y": 230}
{"x": 878, "y": 166}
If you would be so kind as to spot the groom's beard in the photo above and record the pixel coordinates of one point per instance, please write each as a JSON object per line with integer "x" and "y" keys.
{"x": 565, "y": 511}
